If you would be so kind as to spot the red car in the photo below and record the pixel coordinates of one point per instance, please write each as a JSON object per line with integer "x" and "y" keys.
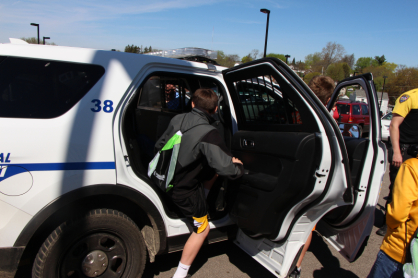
{"x": 355, "y": 113}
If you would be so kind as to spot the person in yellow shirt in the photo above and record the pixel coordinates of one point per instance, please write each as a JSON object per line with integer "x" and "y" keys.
{"x": 401, "y": 219}
{"x": 403, "y": 132}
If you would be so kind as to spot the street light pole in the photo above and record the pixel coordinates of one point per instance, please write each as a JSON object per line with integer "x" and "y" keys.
{"x": 287, "y": 56}
{"x": 46, "y": 38}
{"x": 383, "y": 89}
{"x": 37, "y": 25}
{"x": 265, "y": 11}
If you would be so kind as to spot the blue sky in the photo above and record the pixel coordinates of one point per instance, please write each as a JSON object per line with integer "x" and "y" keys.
{"x": 297, "y": 27}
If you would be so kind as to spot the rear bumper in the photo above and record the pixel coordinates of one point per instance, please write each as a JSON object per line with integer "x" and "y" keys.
{"x": 10, "y": 257}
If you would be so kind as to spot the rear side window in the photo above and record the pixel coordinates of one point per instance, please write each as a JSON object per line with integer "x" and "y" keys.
{"x": 32, "y": 88}
{"x": 356, "y": 109}
{"x": 262, "y": 101}
{"x": 169, "y": 93}
{"x": 364, "y": 110}
{"x": 343, "y": 109}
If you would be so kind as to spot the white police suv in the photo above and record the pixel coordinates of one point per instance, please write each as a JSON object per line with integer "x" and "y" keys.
{"x": 78, "y": 128}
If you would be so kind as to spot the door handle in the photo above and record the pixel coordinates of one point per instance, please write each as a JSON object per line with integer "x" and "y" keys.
{"x": 248, "y": 143}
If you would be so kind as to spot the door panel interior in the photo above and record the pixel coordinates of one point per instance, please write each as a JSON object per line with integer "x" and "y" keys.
{"x": 280, "y": 173}
{"x": 357, "y": 151}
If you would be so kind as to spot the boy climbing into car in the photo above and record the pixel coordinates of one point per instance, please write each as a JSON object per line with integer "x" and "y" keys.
{"x": 203, "y": 156}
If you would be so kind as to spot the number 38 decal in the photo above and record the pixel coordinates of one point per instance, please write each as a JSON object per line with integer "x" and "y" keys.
{"x": 107, "y": 106}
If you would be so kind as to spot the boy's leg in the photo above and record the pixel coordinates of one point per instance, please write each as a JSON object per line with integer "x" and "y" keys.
{"x": 197, "y": 212}
{"x": 193, "y": 245}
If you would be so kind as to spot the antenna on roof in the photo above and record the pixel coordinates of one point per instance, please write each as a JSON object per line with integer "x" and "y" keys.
{"x": 213, "y": 30}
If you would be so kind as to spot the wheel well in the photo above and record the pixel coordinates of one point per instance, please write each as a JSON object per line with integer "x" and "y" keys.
{"x": 136, "y": 206}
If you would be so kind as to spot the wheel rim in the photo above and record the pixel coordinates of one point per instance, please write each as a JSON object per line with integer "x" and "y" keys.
{"x": 99, "y": 254}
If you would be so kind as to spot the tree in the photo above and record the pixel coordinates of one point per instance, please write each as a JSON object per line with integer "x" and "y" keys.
{"x": 132, "y": 49}
{"x": 336, "y": 71}
{"x": 300, "y": 65}
{"x": 364, "y": 62}
{"x": 349, "y": 59}
{"x": 227, "y": 60}
{"x": 150, "y": 49}
{"x": 309, "y": 76}
{"x": 378, "y": 72}
{"x": 253, "y": 55}
{"x": 405, "y": 79}
{"x": 246, "y": 59}
{"x": 380, "y": 60}
{"x": 293, "y": 62}
{"x": 34, "y": 40}
{"x": 346, "y": 69}
{"x": 146, "y": 50}
{"x": 278, "y": 56}
{"x": 314, "y": 62}
{"x": 332, "y": 53}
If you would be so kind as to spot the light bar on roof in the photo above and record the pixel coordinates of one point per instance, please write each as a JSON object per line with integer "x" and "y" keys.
{"x": 186, "y": 52}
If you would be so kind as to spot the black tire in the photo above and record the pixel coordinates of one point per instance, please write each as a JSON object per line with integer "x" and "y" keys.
{"x": 113, "y": 242}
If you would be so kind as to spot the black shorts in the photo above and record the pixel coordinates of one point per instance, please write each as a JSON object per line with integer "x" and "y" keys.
{"x": 195, "y": 208}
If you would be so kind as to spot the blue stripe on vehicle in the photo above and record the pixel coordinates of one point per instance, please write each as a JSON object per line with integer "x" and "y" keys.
{"x": 66, "y": 166}
{"x": 20, "y": 168}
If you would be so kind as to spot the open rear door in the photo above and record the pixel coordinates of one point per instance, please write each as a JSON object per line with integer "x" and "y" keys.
{"x": 295, "y": 160}
{"x": 348, "y": 228}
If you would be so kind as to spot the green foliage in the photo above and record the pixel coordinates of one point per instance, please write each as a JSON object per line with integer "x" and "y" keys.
{"x": 227, "y": 60}
{"x": 346, "y": 69}
{"x": 390, "y": 66}
{"x": 405, "y": 79}
{"x": 364, "y": 62}
{"x": 336, "y": 71}
{"x": 278, "y": 56}
{"x": 246, "y": 59}
{"x": 300, "y": 66}
{"x": 132, "y": 49}
{"x": 309, "y": 76}
{"x": 314, "y": 62}
{"x": 293, "y": 62}
{"x": 380, "y": 60}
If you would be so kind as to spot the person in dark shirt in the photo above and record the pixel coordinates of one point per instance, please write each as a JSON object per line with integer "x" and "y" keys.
{"x": 203, "y": 156}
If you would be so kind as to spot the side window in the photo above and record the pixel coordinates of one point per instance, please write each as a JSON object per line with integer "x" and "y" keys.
{"x": 356, "y": 109}
{"x": 162, "y": 92}
{"x": 262, "y": 101}
{"x": 151, "y": 93}
{"x": 32, "y": 88}
{"x": 364, "y": 109}
{"x": 343, "y": 109}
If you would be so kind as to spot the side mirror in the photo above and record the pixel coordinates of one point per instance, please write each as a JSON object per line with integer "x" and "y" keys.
{"x": 350, "y": 130}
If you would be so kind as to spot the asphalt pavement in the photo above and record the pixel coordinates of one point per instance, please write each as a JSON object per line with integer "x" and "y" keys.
{"x": 225, "y": 259}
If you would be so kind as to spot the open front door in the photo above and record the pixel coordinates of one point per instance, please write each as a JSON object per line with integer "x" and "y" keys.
{"x": 287, "y": 141}
{"x": 348, "y": 228}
